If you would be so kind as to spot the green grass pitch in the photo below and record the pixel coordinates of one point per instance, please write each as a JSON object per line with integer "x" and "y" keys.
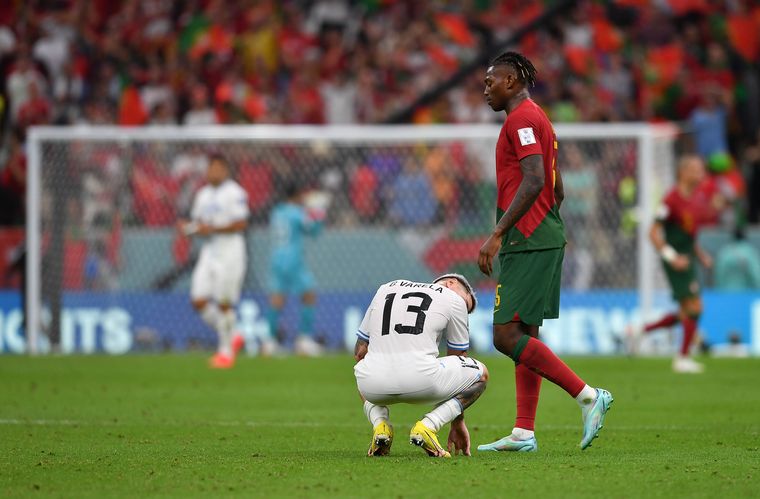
{"x": 167, "y": 426}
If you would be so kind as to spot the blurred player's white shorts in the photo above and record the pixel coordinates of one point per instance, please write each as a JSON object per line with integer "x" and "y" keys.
{"x": 393, "y": 382}
{"x": 219, "y": 274}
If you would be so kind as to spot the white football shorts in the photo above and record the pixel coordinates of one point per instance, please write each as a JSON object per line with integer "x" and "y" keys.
{"x": 219, "y": 277}
{"x": 390, "y": 383}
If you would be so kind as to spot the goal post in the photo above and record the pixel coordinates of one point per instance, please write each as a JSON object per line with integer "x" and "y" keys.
{"x": 101, "y": 203}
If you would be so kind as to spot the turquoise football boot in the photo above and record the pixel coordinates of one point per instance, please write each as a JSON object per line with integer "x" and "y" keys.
{"x": 593, "y": 419}
{"x": 511, "y": 444}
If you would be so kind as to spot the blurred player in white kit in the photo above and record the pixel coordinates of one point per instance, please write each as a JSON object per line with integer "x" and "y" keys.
{"x": 219, "y": 215}
{"x": 397, "y": 354}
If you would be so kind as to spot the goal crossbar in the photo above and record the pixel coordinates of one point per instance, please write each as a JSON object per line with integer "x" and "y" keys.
{"x": 644, "y": 134}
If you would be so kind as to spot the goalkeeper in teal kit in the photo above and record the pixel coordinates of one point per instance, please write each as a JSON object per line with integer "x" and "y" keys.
{"x": 289, "y": 223}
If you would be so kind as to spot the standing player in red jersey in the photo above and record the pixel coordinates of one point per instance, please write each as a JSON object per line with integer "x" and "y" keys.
{"x": 673, "y": 234}
{"x": 529, "y": 238}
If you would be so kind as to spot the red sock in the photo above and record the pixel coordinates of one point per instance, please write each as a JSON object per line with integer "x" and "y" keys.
{"x": 689, "y": 328}
{"x": 539, "y": 358}
{"x": 667, "y": 321}
{"x": 527, "y": 387}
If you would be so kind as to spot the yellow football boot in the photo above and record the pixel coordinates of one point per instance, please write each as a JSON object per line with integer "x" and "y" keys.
{"x": 382, "y": 438}
{"x": 424, "y": 437}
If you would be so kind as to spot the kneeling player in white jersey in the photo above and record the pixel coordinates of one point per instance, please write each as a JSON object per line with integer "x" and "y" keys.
{"x": 397, "y": 354}
{"x": 219, "y": 215}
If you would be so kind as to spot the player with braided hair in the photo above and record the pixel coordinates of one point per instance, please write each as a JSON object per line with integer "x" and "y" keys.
{"x": 529, "y": 239}
{"x": 524, "y": 69}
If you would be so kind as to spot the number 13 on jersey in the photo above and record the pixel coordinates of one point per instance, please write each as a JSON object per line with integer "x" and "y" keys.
{"x": 419, "y": 310}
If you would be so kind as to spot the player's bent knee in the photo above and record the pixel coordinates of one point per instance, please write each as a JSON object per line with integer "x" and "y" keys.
{"x": 696, "y": 308}
{"x": 501, "y": 344}
{"x": 692, "y": 307}
{"x": 505, "y": 340}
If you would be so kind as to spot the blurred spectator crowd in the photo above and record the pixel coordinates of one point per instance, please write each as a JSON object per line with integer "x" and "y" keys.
{"x": 154, "y": 62}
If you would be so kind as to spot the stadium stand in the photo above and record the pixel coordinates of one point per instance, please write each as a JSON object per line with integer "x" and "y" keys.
{"x": 152, "y": 62}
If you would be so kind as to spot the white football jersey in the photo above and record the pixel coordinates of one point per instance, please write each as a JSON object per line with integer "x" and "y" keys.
{"x": 409, "y": 318}
{"x": 219, "y": 206}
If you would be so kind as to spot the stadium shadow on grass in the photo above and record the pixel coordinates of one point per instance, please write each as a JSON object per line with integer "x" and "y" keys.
{"x": 166, "y": 425}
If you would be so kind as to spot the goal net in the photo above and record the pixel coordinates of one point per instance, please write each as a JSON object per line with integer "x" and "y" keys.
{"x": 108, "y": 272}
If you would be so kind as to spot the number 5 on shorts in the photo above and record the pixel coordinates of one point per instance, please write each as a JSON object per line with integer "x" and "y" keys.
{"x": 497, "y": 298}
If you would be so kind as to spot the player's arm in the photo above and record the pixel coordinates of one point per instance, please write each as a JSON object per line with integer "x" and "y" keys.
{"x": 238, "y": 226}
{"x": 457, "y": 332}
{"x": 360, "y": 349}
{"x": 458, "y": 341}
{"x": 451, "y": 351}
{"x": 190, "y": 227}
{"x": 666, "y": 251}
{"x": 532, "y": 168}
{"x": 559, "y": 188}
{"x": 201, "y": 229}
{"x": 311, "y": 224}
{"x": 533, "y": 178}
{"x": 703, "y": 256}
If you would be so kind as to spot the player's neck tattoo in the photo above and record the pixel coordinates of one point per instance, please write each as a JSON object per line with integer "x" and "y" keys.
{"x": 517, "y": 99}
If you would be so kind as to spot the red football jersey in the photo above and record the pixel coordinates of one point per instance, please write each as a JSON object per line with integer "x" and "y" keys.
{"x": 682, "y": 217}
{"x": 527, "y": 131}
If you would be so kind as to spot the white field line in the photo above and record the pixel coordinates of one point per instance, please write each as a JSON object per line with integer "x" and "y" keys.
{"x": 306, "y": 424}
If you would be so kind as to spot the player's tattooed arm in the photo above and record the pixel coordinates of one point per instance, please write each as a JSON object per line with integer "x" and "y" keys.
{"x": 532, "y": 168}
{"x": 530, "y": 187}
{"x": 559, "y": 188}
{"x": 360, "y": 349}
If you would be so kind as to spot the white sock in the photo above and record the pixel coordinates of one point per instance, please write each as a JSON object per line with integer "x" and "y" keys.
{"x": 210, "y": 314}
{"x": 224, "y": 326}
{"x": 586, "y": 399}
{"x": 522, "y": 433}
{"x": 376, "y": 414}
{"x": 444, "y": 413}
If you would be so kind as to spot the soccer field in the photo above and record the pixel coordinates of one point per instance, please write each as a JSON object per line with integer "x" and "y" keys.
{"x": 168, "y": 426}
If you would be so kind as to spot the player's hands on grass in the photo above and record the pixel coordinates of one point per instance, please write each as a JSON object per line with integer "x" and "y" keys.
{"x": 680, "y": 262}
{"x": 459, "y": 438}
{"x": 487, "y": 252}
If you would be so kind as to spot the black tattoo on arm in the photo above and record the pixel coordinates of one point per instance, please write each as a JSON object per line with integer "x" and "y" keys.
{"x": 469, "y": 395}
{"x": 532, "y": 168}
{"x": 360, "y": 349}
{"x": 559, "y": 189}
